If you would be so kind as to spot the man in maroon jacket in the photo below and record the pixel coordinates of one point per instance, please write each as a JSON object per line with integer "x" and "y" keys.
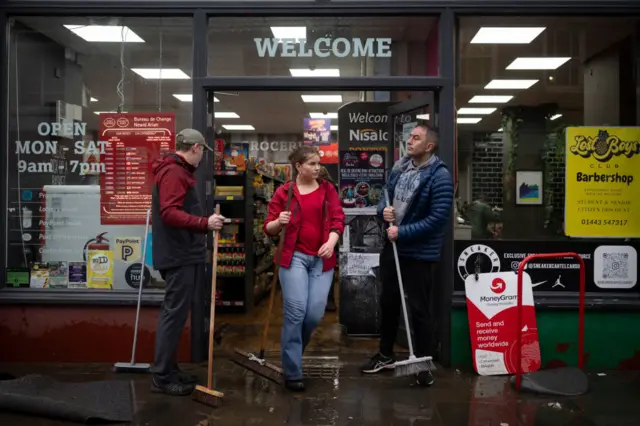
{"x": 179, "y": 252}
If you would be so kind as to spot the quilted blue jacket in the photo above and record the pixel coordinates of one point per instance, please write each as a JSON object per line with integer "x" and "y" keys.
{"x": 422, "y": 230}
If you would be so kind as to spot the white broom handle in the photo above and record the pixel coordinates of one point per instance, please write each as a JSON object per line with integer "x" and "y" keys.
{"x": 404, "y": 303}
{"x": 142, "y": 262}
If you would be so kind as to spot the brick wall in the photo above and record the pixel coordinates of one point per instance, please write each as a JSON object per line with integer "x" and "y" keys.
{"x": 487, "y": 168}
{"x": 554, "y": 180}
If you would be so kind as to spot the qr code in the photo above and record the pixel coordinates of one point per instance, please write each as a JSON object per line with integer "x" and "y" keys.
{"x": 615, "y": 265}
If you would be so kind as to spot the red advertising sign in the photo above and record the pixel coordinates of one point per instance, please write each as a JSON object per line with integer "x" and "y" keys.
{"x": 493, "y": 321}
{"x": 328, "y": 153}
{"x": 135, "y": 141}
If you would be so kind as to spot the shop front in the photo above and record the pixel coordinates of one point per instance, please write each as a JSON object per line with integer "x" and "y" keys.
{"x": 95, "y": 94}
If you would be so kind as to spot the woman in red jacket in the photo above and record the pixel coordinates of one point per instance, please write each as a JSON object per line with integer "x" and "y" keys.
{"x": 314, "y": 224}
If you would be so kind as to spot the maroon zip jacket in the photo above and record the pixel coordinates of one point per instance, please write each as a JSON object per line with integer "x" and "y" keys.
{"x": 179, "y": 224}
{"x": 332, "y": 219}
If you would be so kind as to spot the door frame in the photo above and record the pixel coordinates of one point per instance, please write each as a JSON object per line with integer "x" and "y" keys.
{"x": 203, "y": 120}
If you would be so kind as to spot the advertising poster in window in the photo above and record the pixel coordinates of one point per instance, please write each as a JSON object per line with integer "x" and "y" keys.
{"x": 317, "y": 131}
{"x": 609, "y": 267}
{"x": 602, "y": 178}
{"x": 361, "y": 180}
{"x": 135, "y": 142}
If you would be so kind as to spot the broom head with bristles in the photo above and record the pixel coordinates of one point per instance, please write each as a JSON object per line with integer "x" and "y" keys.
{"x": 207, "y": 396}
{"x": 412, "y": 366}
{"x": 258, "y": 365}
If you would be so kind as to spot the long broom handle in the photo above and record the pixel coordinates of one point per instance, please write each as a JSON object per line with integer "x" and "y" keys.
{"x": 398, "y": 271}
{"x": 274, "y": 280}
{"x": 142, "y": 262}
{"x": 212, "y": 315}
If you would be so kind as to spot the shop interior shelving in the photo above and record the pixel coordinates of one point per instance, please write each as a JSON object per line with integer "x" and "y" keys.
{"x": 245, "y": 266}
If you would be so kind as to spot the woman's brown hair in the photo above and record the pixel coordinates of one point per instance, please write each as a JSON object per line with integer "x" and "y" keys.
{"x": 301, "y": 155}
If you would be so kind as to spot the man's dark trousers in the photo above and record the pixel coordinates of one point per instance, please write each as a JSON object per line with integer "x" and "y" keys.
{"x": 180, "y": 286}
{"x": 418, "y": 281}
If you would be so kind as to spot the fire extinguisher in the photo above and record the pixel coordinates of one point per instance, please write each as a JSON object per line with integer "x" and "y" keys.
{"x": 97, "y": 243}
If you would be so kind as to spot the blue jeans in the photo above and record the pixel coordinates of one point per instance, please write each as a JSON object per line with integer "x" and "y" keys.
{"x": 305, "y": 289}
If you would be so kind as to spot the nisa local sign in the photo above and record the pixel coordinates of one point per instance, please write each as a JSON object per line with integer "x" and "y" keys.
{"x": 324, "y": 47}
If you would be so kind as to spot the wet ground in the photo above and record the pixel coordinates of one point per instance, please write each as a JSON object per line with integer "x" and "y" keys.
{"x": 338, "y": 395}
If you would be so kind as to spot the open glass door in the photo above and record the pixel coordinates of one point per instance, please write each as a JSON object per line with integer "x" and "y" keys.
{"x": 403, "y": 117}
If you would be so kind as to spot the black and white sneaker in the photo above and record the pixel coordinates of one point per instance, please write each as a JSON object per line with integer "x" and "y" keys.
{"x": 424, "y": 379}
{"x": 378, "y": 363}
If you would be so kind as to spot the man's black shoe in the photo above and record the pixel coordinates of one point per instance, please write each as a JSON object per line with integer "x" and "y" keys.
{"x": 186, "y": 378}
{"x": 173, "y": 387}
{"x": 294, "y": 385}
{"x": 377, "y": 363}
{"x": 424, "y": 379}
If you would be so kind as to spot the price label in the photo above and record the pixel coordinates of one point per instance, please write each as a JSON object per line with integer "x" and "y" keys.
{"x": 229, "y": 197}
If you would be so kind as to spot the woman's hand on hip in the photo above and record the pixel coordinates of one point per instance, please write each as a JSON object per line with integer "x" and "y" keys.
{"x": 326, "y": 251}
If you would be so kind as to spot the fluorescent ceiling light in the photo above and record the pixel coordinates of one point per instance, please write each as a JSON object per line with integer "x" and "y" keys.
{"x": 188, "y": 97}
{"x": 422, "y": 117}
{"x": 555, "y": 117}
{"x": 468, "y": 120}
{"x": 476, "y": 111}
{"x": 109, "y": 112}
{"x": 93, "y": 100}
{"x": 105, "y": 33}
{"x": 490, "y": 99}
{"x": 506, "y": 35}
{"x": 500, "y": 130}
{"x": 321, "y": 98}
{"x": 291, "y": 33}
{"x": 510, "y": 84}
{"x": 161, "y": 74}
{"x": 334, "y": 127}
{"x": 323, "y": 115}
{"x": 537, "y": 63}
{"x": 318, "y": 72}
{"x": 238, "y": 127}
{"x": 225, "y": 115}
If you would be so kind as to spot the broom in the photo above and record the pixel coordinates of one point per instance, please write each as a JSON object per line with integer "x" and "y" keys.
{"x": 207, "y": 395}
{"x": 133, "y": 366}
{"x": 411, "y": 365}
{"x": 258, "y": 364}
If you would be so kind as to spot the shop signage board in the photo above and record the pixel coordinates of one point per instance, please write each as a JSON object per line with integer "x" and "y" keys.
{"x": 492, "y": 300}
{"x": 361, "y": 180}
{"x": 324, "y": 47}
{"x": 609, "y": 266}
{"x": 135, "y": 142}
{"x": 602, "y": 176}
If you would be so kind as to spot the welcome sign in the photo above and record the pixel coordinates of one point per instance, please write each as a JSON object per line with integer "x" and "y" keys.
{"x": 324, "y": 47}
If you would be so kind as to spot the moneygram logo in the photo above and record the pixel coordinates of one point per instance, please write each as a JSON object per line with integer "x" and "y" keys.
{"x": 498, "y": 286}
{"x": 502, "y": 298}
{"x": 603, "y": 147}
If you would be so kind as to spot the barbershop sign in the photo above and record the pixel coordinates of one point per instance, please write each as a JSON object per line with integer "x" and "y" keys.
{"x": 324, "y": 47}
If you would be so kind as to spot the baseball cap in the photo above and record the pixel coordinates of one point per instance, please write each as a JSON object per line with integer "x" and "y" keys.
{"x": 192, "y": 137}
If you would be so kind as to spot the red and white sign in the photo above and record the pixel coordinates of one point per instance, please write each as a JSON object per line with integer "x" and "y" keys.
{"x": 492, "y": 306}
{"x": 328, "y": 153}
{"x": 135, "y": 142}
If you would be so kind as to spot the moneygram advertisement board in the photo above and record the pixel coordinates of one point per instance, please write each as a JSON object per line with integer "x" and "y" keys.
{"x": 602, "y": 197}
{"x": 492, "y": 307}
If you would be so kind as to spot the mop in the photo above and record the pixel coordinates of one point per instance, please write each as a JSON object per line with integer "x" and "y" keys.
{"x": 258, "y": 364}
{"x": 411, "y": 365}
{"x": 207, "y": 395}
{"x": 133, "y": 367}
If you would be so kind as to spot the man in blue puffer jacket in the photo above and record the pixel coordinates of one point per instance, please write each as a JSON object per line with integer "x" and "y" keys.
{"x": 421, "y": 192}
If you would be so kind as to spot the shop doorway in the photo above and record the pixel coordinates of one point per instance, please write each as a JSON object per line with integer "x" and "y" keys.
{"x": 249, "y": 163}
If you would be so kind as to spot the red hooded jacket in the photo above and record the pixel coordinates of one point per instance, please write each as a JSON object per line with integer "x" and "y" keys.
{"x": 332, "y": 219}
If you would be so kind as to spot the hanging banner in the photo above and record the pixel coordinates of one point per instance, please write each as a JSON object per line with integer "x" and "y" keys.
{"x": 135, "y": 142}
{"x": 317, "y": 131}
{"x": 602, "y": 177}
{"x": 492, "y": 307}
